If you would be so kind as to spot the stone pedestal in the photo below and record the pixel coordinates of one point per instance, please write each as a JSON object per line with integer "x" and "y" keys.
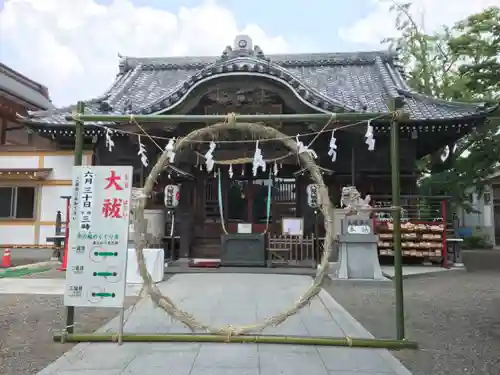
{"x": 358, "y": 256}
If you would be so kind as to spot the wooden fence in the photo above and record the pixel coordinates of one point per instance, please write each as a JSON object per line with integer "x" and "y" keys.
{"x": 295, "y": 251}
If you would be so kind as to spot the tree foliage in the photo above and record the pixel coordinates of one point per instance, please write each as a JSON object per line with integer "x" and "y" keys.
{"x": 476, "y": 47}
{"x": 461, "y": 63}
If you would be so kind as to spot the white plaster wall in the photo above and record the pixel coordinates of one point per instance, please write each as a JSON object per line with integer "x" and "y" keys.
{"x": 51, "y": 201}
{"x": 17, "y": 234}
{"x": 18, "y": 162}
{"x": 62, "y": 165}
{"x": 46, "y": 231}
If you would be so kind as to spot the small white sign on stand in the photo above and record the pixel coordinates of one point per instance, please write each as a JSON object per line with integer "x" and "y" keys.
{"x": 99, "y": 227}
{"x": 292, "y": 226}
{"x": 245, "y": 228}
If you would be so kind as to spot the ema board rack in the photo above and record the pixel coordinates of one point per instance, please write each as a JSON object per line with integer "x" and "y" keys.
{"x": 418, "y": 239}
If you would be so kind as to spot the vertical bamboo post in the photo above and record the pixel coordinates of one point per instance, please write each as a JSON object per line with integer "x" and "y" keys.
{"x": 78, "y": 152}
{"x": 396, "y": 214}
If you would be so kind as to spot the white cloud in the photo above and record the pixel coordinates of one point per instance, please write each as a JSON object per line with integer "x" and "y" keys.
{"x": 431, "y": 14}
{"x": 72, "y": 46}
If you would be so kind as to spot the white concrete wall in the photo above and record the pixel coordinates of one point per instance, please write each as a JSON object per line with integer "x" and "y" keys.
{"x": 20, "y": 162}
{"x": 17, "y": 234}
{"x": 62, "y": 166}
{"x": 51, "y": 201}
{"x": 50, "y": 190}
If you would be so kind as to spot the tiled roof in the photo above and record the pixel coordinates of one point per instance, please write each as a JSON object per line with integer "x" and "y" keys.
{"x": 19, "y": 86}
{"x": 363, "y": 81}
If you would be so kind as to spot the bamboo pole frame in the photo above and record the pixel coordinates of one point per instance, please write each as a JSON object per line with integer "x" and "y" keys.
{"x": 299, "y": 117}
{"x": 396, "y": 116}
{"x": 78, "y": 152}
{"x": 352, "y": 342}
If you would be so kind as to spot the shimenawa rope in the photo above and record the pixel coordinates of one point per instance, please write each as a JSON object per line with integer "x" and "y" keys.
{"x": 326, "y": 208}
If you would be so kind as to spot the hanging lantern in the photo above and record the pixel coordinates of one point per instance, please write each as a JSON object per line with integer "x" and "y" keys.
{"x": 172, "y": 196}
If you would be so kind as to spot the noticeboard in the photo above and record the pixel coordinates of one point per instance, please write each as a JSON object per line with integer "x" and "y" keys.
{"x": 98, "y": 237}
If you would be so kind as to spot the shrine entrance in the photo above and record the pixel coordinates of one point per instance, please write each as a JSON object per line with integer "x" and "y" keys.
{"x": 247, "y": 205}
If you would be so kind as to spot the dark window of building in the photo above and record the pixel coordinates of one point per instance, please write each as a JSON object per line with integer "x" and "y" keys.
{"x": 17, "y": 202}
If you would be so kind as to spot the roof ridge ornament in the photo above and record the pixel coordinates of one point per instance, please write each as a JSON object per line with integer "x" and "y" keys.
{"x": 123, "y": 65}
{"x": 242, "y": 47}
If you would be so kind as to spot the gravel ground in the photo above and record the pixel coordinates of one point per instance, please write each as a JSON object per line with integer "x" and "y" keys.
{"x": 26, "y": 326}
{"x": 454, "y": 315}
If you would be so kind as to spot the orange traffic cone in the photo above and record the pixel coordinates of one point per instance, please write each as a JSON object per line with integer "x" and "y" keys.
{"x": 6, "y": 259}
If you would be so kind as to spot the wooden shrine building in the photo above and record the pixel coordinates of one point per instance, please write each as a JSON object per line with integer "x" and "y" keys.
{"x": 243, "y": 79}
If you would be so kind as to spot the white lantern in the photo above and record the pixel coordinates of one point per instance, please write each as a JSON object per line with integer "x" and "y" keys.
{"x": 313, "y": 198}
{"x": 172, "y": 196}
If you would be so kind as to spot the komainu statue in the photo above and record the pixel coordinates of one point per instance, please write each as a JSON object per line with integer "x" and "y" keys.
{"x": 351, "y": 199}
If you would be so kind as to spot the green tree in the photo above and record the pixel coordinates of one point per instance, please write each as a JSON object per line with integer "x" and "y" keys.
{"x": 476, "y": 48}
{"x": 457, "y": 63}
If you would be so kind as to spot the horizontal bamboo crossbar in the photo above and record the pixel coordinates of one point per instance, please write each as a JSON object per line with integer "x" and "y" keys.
{"x": 311, "y": 117}
{"x": 257, "y": 339}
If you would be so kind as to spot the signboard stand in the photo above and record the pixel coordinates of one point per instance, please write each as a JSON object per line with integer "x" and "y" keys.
{"x": 98, "y": 238}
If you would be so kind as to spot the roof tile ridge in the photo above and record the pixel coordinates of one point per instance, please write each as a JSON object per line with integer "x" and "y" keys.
{"x": 174, "y": 90}
{"x": 314, "y": 58}
{"x": 309, "y": 87}
{"x": 24, "y": 80}
{"x": 64, "y": 109}
{"x": 452, "y": 103}
{"x": 127, "y": 81}
{"x": 397, "y": 77}
{"x": 386, "y": 78}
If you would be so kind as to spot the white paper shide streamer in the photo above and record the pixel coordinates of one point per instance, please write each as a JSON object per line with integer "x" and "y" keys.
{"x": 142, "y": 152}
{"x": 231, "y": 172}
{"x": 170, "y": 150}
{"x": 258, "y": 160}
{"x": 109, "y": 141}
{"x": 303, "y": 148}
{"x": 333, "y": 147}
{"x": 209, "y": 157}
{"x": 370, "y": 141}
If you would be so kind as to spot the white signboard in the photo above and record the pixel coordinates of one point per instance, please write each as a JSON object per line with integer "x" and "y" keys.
{"x": 245, "y": 228}
{"x": 97, "y": 251}
{"x": 358, "y": 229}
{"x": 292, "y": 226}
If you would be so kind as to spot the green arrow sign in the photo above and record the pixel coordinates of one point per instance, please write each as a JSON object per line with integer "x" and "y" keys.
{"x": 104, "y": 274}
{"x": 112, "y": 295}
{"x": 105, "y": 254}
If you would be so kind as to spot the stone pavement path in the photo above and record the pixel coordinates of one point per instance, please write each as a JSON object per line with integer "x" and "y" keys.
{"x": 235, "y": 299}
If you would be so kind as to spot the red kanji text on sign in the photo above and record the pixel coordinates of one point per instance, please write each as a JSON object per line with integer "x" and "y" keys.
{"x": 112, "y": 208}
{"x": 113, "y": 181}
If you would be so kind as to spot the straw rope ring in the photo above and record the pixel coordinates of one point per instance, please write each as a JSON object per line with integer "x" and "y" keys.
{"x": 140, "y": 229}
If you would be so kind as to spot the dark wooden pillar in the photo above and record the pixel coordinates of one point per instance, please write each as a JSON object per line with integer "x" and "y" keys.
{"x": 226, "y": 183}
{"x": 303, "y": 209}
{"x": 274, "y": 225}
{"x": 186, "y": 218}
{"x": 3, "y": 130}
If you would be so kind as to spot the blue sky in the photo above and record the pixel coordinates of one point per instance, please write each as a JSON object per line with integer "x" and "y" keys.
{"x": 71, "y": 46}
{"x": 316, "y": 20}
